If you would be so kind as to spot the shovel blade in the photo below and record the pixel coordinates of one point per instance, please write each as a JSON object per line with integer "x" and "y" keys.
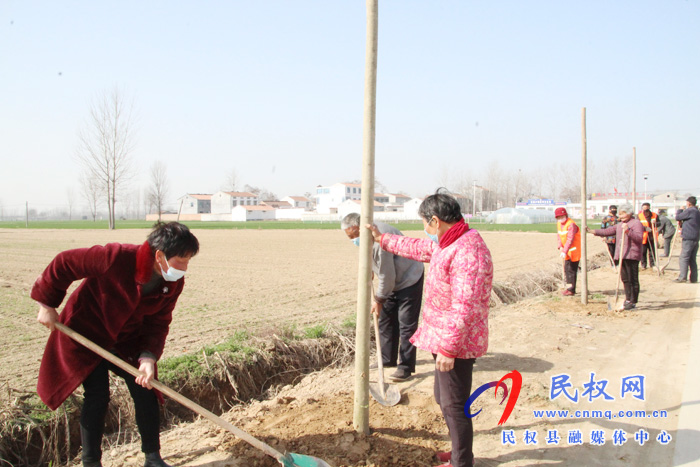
{"x": 616, "y": 305}
{"x": 392, "y": 394}
{"x": 292, "y": 459}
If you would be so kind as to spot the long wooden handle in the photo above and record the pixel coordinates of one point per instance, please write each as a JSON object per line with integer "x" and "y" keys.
{"x": 281, "y": 458}
{"x": 380, "y": 364}
{"x": 612, "y": 260}
{"x": 655, "y": 251}
{"x": 619, "y": 272}
{"x": 670, "y": 251}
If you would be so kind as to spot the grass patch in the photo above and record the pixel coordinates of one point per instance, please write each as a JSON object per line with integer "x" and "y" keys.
{"x": 350, "y": 322}
{"x": 315, "y": 332}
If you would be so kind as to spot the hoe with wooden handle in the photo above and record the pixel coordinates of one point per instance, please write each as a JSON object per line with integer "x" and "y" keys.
{"x": 615, "y": 305}
{"x": 289, "y": 459}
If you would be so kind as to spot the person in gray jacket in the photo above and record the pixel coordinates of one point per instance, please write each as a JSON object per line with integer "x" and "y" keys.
{"x": 690, "y": 233}
{"x": 666, "y": 230}
{"x": 397, "y": 300}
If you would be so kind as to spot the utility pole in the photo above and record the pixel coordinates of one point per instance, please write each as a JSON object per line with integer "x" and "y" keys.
{"x": 645, "y": 186}
{"x": 634, "y": 180}
{"x": 364, "y": 277}
{"x": 584, "y": 212}
{"x": 474, "y": 199}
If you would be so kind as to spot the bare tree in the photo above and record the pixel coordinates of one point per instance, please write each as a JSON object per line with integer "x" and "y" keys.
{"x": 106, "y": 143}
{"x": 70, "y": 197}
{"x": 619, "y": 171}
{"x": 570, "y": 183}
{"x": 231, "y": 182}
{"x": 262, "y": 193}
{"x": 92, "y": 191}
{"x": 158, "y": 189}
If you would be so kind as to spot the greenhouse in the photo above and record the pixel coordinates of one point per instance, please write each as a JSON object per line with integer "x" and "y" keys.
{"x": 520, "y": 216}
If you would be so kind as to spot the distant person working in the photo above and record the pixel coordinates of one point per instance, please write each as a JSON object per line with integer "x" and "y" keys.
{"x": 648, "y": 220}
{"x": 666, "y": 231}
{"x": 569, "y": 246}
{"x": 690, "y": 233}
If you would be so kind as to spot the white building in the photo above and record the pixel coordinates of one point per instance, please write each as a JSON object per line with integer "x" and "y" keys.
{"x": 194, "y": 203}
{"x": 352, "y": 205}
{"x": 328, "y": 198}
{"x": 223, "y": 201}
{"x": 252, "y": 213}
{"x": 277, "y": 204}
{"x": 398, "y": 198}
{"x": 381, "y": 198}
{"x": 299, "y": 202}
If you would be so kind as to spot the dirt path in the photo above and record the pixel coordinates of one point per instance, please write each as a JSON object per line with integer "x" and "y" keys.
{"x": 541, "y": 338}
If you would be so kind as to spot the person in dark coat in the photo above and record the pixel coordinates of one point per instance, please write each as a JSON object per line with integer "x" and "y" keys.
{"x": 124, "y": 305}
{"x": 690, "y": 233}
{"x": 666, "y": 231}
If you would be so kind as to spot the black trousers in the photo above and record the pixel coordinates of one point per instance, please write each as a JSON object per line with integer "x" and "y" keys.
{"x": 571, "y": 271}
{"x": 95, "y": 402}
{"x": 611, "y": 249}
{"x": 630, "y": 279}
{"x": 649, "y": 249}
{"x": 452, "y": 389}
{"x": 398, "y": 321}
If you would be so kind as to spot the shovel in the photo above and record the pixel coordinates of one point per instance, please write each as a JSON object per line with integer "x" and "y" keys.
{"x": 289, "y": 459}
{"x": 389, "y": 394}
{"x": 654, "y": 251}
{"x": 612, "y": 261}
{"x": 615, "y": 305}
{"x": 670, "y": 252}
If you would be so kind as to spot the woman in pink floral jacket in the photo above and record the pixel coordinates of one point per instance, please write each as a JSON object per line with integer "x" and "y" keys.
{"x": 455, "y": 314}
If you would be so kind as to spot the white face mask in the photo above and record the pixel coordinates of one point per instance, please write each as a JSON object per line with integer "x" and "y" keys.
{"x": 172, "y": 274}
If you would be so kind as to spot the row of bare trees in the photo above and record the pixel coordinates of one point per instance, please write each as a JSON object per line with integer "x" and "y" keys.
{"x": 105, "y": 145}
{"x": 504, "y": 186}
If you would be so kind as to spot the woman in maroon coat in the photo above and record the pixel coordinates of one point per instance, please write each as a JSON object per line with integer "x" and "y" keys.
{"x": 124, "y": 304}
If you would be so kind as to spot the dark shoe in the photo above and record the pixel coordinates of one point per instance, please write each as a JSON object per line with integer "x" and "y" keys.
{"x": 400, "y": 375}
{"x": 680, "y": 280}
{"x": 374, "y": 366}
{"x": 629, "y": 306}
{"x": 92, "y": 464}
{"x": 153, "y": 459}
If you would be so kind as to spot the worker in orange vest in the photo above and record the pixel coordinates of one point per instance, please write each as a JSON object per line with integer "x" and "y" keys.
{"x": 569, "y": 246}
{"x": 648, "y": 220}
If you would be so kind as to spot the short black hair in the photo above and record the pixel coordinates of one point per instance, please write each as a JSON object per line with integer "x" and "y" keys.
{"x": 646, "y": 204}
{"x": 693, "y": 201}
{"x": 612, "y": 206}
{"x": 441, "y": 205}
{"x": 173, "y": 239}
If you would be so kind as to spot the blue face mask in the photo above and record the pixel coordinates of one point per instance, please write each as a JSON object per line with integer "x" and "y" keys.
{"x": 431, "y": 236}
{"x": 356, "y": 241}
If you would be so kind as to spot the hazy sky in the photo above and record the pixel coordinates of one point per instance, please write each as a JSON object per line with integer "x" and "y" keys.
{"x": 274, "y": 90}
